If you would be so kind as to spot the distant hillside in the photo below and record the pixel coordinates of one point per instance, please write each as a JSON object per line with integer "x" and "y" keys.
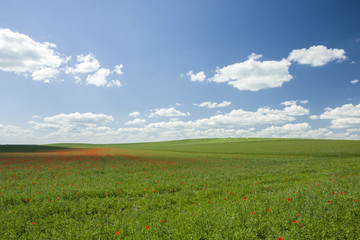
{"x": 247, "y": 146}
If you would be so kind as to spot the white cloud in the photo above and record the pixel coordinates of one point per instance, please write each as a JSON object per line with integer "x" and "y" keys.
{"x": 354, "y": 81}
{"x": 12, "y": 131}
{"x": 213, "y": 104}
{"x": 317, "y": 55}
{"x": 254, "y": 75}
{"x": 21, "y": 54}
{"x": 117, "y": 69}
{"x": 114, "y": 83}
{"x": 98, "y": 78}
{"x": 168, "y": 112}
{"x": 79, "y": 118}
{"x": 45, "y": 74}
{"x": 134, "y": 114}
{"x": 345, "y": 116}
{"x": 200, "y": 76}
{"x": 314, "y": 117}
{"x": 87, "y": 64}
{"x": 289, "y": 103}
{"x": 136, "y": 121}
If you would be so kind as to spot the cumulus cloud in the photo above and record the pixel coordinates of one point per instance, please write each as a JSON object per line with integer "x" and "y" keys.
{"x": 97, "y": 75}
{"x": 198, "y": 77}
{"x": 117, "y": 69}
{"x": 79, "y": 118}
{"x": 99, "y": 78}
{"x": 86, "y": 64}
{"x": 136, "y": 121}
{"x": 254, "y": 75}
{"x": 168, "y": 112}
{"x": 317, "y": 56}
{"x": 354, "y": 81}
{"x": 314, "y": 117}
{"x": 294, "y": 102}
{"x": 345, "y": 116}
{"x": 21, "y": 54}
{"x": 213, "y": 104}
{"x": 114, "y": 83}
{"x": 134, "y": 114}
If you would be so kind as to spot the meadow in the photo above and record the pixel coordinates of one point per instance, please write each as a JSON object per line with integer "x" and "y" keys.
{"x": 190, "y": 189}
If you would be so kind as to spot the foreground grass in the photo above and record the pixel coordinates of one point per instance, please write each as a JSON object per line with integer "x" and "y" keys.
{"x": 196, "y": 189}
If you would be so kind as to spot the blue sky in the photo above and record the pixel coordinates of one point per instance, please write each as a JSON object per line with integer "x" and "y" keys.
{"x": 134, "y": 71}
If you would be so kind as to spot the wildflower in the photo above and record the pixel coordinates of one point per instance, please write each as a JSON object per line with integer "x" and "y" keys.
{"x": 27, "y": 200}
{"x": 146, "y": 227}
{"x": 269, "y": 209}
{"x": 163, "y": 220}
{"x": 354, "y": 200}
{"x": 288, "y": 199}
{"x": 32, "y": 223}
{"x": 252, "y": 212}
{"x": 328, "y": 201}
{"x": 295, "y": 222}
{"x": 280, "y": 238}
{"x": 117, "y": 232}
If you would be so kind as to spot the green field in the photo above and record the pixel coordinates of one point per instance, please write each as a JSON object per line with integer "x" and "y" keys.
{"x": 189, "y": 189}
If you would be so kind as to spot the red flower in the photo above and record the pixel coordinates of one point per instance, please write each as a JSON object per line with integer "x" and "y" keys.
{"x": 280, "y": 238}
{"x": 32, "y": 223}
{"x": 252, "y": 212}
{"x": 295, "y": 222}
{"x": 146, "y": 227}
{"x": 117, "y": 232}
{"x": 328, "y": 201}
{"x": 269, "y": 210}
{"x": 163, "y": 220}
{"x": 27, "y": 200}
{"x": 288, "y": 199}
{"x": 354, "y": 200}
{"x": 209, "y": 202}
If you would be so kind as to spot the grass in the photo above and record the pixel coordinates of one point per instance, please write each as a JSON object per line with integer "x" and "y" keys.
{"x": 189, "y": 189}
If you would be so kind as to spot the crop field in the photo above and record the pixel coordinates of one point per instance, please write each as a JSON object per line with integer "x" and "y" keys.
{"x": 189, "y": 189}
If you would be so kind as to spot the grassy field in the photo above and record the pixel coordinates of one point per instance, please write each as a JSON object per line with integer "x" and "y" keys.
{"x": 189, "y": 189}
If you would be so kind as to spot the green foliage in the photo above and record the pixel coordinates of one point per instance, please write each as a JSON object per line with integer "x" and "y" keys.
{"x": 189, "y": 189}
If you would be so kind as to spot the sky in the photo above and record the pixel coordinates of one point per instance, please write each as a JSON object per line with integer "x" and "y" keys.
{"x": 139, "y": 71}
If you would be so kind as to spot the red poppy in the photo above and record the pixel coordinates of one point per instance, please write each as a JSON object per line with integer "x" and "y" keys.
{"x": 32, "y": 223}
{"x": 163, "y": 220}
{"x": 295, "y": 222}
{"x": 328, "y": 201}
{"x": 288, "y": 199}
{"x": 252, "y": 212}
{"x": 146, "y": 227}
{"x": 27, "y": 200}
{"x": 117, "y": 232}
{"x": 354, "y": 200}
{"x": 269, "y": 210}
{"x": 280, "y": 238}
